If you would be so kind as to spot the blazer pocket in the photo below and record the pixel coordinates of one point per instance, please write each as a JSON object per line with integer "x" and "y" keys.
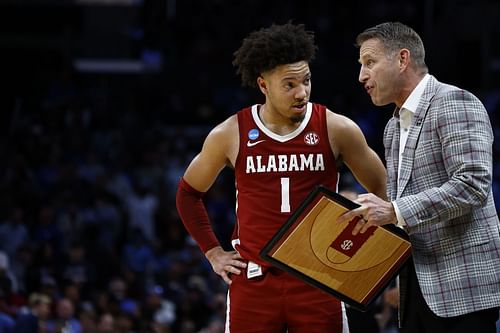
{"x": 452, "y": 243}
{"x": 465, "y": 242}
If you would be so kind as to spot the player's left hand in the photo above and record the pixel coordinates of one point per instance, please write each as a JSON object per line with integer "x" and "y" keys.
{"x": 225, "y": 263}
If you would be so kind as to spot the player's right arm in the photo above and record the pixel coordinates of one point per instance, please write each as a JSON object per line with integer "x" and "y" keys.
{"x": 219, "y": 149}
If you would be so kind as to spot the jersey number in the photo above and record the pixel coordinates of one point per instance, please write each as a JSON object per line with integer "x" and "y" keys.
{"x": 285, "y": 195}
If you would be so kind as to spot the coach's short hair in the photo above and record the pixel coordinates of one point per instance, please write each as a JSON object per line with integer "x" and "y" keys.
{"x": 395, "y": 36}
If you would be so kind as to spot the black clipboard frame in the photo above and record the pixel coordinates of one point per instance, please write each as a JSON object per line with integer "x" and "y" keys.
{"x": 284, "y": 229}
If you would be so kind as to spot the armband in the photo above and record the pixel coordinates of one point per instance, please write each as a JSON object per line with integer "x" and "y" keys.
{"x": 194, "y": 216}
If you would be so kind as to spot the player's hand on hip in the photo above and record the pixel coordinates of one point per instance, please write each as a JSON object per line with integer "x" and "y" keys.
{"x": 373, "y": 211}
{"x": 225, "y": 263}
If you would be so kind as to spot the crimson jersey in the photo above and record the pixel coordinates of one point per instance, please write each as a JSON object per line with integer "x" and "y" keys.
{"x": 274, "y": 174}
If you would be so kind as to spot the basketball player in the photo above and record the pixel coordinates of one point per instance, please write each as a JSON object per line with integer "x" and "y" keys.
{"x": 279, "y": 151}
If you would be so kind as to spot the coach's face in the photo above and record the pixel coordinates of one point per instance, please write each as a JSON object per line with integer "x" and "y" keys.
{"x": 379, "y": 73}
{"x": 287, "y": 89}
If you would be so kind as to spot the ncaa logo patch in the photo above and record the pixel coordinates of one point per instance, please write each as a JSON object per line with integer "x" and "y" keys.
{"x": 311, "y": 138}
{"x": 253, "y": 134}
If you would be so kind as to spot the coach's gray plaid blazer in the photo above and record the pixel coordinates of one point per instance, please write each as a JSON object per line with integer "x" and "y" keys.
{"x": 444, "y": 194}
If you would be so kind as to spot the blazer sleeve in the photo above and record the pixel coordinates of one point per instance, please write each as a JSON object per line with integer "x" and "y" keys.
{"x": 458, "y": 162}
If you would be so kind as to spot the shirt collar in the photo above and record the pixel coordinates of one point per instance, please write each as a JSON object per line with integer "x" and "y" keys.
{"x": 413, "y": 100}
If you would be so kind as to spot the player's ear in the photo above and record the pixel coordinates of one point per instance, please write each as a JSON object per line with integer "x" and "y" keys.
{"x": 261, "y": 82}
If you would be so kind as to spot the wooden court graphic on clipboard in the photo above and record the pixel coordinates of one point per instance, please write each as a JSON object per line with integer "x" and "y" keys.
{"x": 314, "y": 247}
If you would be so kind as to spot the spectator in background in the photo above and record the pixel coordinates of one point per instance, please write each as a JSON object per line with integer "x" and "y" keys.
{"x": 21, "y": 266}
{"x": 8, "y": 281}
{"x": 142, "y": 204}
{"x": 34, "y": 319}
{"x": 13, "y": 232}
{"x": 77, "y": 268}
{"x": 124, "y": 323}
{"x": 65, "y": 320}
{"x": 6, "y": 318}
{"x": 159, "y": 309}
{"x": 73, "y": 291}
{"x": 47, "y": 231}
{"x": 45, "y": 264}
{"x": 50, "y": 287}
{"x": 88, "y": 318}
{"x": 71, "y": 223}
{"x": 106, "y": 323}
{"x": 138, "y": 253}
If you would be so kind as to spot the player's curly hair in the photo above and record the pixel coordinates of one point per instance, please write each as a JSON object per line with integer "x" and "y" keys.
{"x": 267, "y": 48}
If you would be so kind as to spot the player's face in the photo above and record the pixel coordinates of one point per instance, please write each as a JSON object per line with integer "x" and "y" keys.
{"x": 379, "y": 73}
{"x": 287, "y": 89}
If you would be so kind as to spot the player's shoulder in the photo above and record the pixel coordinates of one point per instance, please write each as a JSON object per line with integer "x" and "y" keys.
{"x": 225, "y": 129}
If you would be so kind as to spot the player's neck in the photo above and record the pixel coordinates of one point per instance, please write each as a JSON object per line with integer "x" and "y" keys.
{"x": 276, "y": 122}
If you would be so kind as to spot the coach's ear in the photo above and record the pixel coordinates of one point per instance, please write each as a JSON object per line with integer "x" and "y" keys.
{"x": 404, "y": 57}
{"x": 261, "y": 82}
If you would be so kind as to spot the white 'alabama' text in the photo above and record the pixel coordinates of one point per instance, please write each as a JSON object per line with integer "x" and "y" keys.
{"x": 281, "y": 163}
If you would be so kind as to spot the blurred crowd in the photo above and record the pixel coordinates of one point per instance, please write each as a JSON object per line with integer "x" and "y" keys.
{"x": 89, "y": 236}
{"x": 90, "y": 240}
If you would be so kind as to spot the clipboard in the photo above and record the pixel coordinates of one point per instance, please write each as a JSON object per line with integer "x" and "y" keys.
{"x": 313, "y": 247}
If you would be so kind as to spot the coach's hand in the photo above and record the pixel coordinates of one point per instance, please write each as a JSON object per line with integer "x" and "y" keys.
{"x": 373, "y": 211}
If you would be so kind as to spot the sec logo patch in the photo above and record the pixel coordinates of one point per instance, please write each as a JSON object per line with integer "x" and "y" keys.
{"x": 311, "y": 138}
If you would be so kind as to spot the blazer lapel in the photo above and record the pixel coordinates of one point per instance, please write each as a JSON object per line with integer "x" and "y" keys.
{"x": 407, "y": 159}
{"x": 391, "y": 143}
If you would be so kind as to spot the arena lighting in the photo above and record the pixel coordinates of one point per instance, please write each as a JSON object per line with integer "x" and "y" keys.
{"x": 125, "y": 3}
{"x": 151, "y": 61}
{"x": 109, "y": 2}
{"x": 117, "y": 66}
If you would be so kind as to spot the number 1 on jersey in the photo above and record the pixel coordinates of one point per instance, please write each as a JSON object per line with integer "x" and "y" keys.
{"x": 285, "y": 195}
